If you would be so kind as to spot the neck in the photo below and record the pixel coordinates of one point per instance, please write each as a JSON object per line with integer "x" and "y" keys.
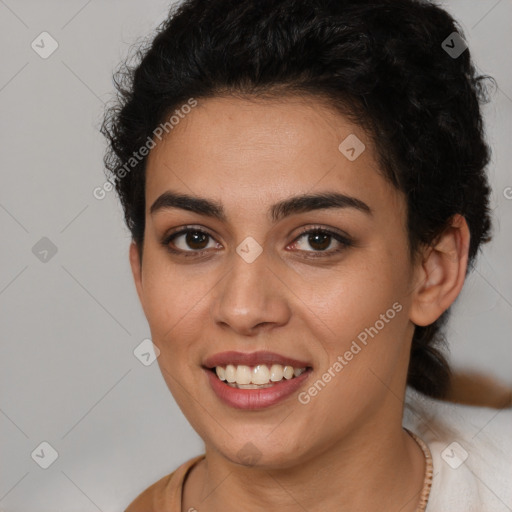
{"x": 373, "y": 468}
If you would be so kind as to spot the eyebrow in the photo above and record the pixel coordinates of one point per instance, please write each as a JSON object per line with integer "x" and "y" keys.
{"x": 294, "y": 205}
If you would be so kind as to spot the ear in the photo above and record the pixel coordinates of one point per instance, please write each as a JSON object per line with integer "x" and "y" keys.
{"x": 136, "y": 265}
{"x": 441, "y": 273}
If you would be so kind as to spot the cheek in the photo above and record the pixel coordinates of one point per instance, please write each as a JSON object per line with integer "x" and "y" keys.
{"x": 365, "y": 308}
{"x": 355, "y": 295}
{"x": 172, "y": 297}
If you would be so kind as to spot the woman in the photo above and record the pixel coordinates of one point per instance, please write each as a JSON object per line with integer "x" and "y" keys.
{"x": 304, "y": 182}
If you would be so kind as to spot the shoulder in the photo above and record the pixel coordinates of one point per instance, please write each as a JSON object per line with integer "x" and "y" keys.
{"x": 165, "y": 494}
{"x": 471, "y": 450}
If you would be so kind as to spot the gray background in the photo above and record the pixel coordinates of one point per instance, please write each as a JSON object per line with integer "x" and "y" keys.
{"x": 70, "y": 324}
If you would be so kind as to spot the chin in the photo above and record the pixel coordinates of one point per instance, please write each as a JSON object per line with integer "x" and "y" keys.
{"x": 262, "y": 451}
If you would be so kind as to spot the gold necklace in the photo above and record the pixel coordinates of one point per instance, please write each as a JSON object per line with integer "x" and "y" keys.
{"x": 429, "y": 471}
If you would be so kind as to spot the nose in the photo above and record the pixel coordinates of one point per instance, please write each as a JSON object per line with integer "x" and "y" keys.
{"x": 250, "y": 298}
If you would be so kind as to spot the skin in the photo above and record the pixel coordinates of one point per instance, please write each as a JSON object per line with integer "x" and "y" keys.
{"x": 345, "y": 449}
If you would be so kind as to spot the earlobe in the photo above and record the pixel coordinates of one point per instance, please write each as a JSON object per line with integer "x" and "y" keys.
{"x": 442, "y": 273}
{"x": 136, "y": 267}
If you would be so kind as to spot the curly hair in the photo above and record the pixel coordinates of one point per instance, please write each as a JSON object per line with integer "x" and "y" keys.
{"x": 380, "y": 62}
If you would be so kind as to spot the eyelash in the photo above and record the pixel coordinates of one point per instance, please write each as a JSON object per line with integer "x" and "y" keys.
{"x": 344, "y": 240}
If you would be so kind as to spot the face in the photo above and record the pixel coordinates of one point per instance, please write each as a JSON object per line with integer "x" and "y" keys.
{"x": 240, "y": 274}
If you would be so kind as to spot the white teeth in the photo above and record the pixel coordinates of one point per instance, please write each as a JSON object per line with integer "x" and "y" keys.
{"x": 221, "y": 372}
{"x": 230, "y": 373}
{"x": 298, "y": 371}
{"x": 276, "y": 373}
{"x": 243, "y": 375}
{"x": 288, "y": 372}
{"x": 251, "y": 386}
{"x": 259, "y": 376}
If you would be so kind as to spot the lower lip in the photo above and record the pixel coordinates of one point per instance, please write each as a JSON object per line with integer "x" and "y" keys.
{"x": 255, "y": 398}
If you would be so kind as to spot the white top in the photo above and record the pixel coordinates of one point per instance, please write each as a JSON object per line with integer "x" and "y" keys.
{"x": 471, "y": 453}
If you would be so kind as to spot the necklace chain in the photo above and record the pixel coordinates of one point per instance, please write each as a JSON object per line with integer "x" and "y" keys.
{"x": 429, "y": 471}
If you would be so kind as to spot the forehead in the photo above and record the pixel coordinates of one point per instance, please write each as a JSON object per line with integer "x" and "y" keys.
{"x": 249, "y": 153}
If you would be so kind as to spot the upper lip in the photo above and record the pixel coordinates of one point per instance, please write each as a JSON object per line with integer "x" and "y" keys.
{"x": 251, "y": 359}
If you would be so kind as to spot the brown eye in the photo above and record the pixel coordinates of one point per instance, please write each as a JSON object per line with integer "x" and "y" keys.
{"x": 189, "y": 241}
{"x": 196, "y": 240}
{"x": 321, "y": 240}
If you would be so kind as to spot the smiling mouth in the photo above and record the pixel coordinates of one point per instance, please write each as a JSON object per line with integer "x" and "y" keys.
{"x": 256, "y": 377}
